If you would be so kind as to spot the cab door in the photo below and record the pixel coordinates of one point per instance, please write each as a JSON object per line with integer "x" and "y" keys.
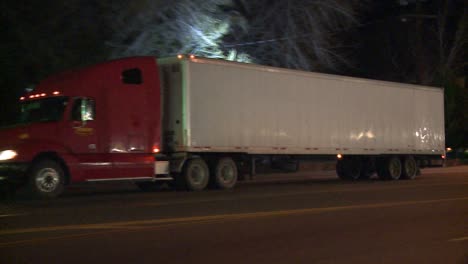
{"x": 83, "y": 137}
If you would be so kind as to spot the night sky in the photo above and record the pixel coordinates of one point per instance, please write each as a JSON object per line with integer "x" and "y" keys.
{"x": 410, "y": 41}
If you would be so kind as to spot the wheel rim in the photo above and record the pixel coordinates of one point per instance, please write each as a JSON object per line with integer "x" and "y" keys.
{"x": 197, "y": 175}
{"x": 47, "y": 180}
{"x": 226, "y": 174}
{"x": 394, "y": 168}
{"x": 410, "y": 167}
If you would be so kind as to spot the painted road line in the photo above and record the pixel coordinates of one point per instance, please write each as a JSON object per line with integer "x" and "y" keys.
{"x": 459, "y": 239}
{"x": 11, "y": 215}
{"x": 94, "y": 233}
{"x": 195, "y": 219}
{"x": 288, "y": 194}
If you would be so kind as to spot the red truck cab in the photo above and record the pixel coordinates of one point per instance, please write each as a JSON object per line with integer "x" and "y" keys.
{"x": 102, "y": 122}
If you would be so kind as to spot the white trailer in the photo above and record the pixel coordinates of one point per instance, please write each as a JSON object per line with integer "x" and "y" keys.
{"x": 214, "y": 108}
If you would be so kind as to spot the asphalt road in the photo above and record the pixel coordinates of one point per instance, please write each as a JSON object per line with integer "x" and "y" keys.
{"x": 294, "y": 218}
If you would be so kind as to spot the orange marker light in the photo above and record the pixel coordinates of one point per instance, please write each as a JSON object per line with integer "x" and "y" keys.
{"x": 22, "y": 98}
{"x": 56, "y": 93}
{"x": 192, "y": 56}
{"x": 180, "y": 56}
{"x": 155, "y": 150}
{"x": 339, "y": 156}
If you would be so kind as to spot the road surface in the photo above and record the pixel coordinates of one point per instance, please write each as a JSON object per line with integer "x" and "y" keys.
{"x": 307, "y": 217}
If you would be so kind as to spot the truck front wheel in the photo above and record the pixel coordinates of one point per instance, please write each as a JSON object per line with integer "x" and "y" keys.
{"x": 46, "y": 179}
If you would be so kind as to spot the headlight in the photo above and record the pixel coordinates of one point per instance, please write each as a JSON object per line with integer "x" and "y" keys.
{"x": 7, "y": 154}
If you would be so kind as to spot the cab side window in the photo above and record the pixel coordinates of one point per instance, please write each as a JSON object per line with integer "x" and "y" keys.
{"x": 132, "y": 76}
{"x": 83, "y": 110}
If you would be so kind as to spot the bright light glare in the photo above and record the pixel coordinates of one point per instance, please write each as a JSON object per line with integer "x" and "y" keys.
{"x": 449, "y": 149}
{"x": 192, "y": 56}
{"x": 155, "y": 150}
{"x": 56, "y": 93}
{"x": 339, "y": 156}
{"x": 180, "y": 56}
{"x": 8, "y": 154}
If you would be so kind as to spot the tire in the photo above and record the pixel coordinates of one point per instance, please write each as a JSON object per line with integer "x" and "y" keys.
{"x": 340, "y": 169}
{"x": 353, "y": 170}
{"x": 410, "y": 168}
{"x": 149, "y": 186}
{"x": 46, "y": 179}
{"x": 349, "y": 169}
{"x": 225, "y": 174}
{"x": 389, "y": 168}
{"x": 195, "y": 175}
{"x": 367, "y": 169}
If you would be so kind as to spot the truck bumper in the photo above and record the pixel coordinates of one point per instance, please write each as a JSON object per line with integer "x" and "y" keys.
{"x": 14, "y": 172}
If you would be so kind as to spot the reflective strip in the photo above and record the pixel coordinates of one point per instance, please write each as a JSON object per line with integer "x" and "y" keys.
{"x": 121, "y": 179}
{"x": 96, "y": 164}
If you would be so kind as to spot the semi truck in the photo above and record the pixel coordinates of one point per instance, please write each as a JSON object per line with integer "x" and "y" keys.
{"x": 197, "y": 123}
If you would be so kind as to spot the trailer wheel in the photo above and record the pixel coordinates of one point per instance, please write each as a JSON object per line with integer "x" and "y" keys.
{"x": 367, "y": 169}
{"x": 349, "y": 168}
{"x": 340, "y": 170}
{"x": 195, "y": 175}
{"x": 389, "y": 168}
{"x": 46, "y": 179}
{"x": 410, "y": 168}
{"x": 225, "y": 174}
{"x": 353, "y": 170}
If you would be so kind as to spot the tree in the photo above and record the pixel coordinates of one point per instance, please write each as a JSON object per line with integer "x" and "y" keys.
{"x": 423, "y": 42}
{"x": 293, "y": 34}
{"x": 167, "y": 28}
{"x": 440, "y": 59}
{"x": 297, "y": 34}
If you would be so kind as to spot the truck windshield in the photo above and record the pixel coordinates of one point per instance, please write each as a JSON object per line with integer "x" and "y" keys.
{"x": 42, "y": 110}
